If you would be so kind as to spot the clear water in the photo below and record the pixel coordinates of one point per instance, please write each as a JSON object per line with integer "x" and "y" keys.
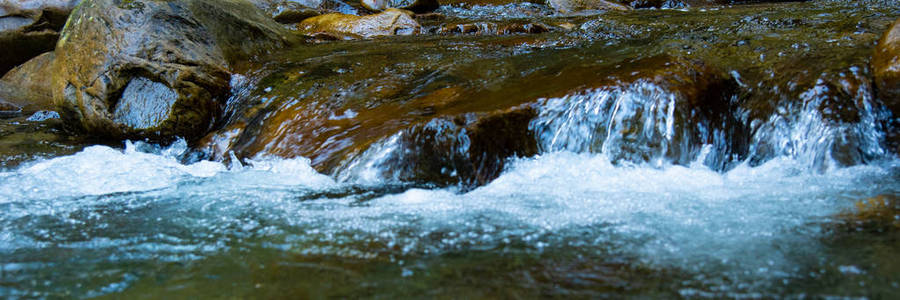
{"x": 137, "y": 222}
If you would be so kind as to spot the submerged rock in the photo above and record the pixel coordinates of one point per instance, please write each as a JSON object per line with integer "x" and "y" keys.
{"x": 29, "y": 28}
{"x": 574, "y": 6}
{"x": 344, "y": 26}
{"x": 9, "y": 110}
{"x": 418, "y": 6}
{"x": 875, "y": 215}
{"x": 156, "y": 69}
{"x": 29, "y": 84}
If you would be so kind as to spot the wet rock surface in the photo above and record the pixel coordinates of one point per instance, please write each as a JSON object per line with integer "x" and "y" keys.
{"x": 29, "y": 28}
{"x": 295, "y": 11}
{"x": 372, "y": 121}
{"x": 343, "y": 26}
{"x": 729, "y": 94}
{"x": 29, "y": 84}
{"x": 886, "y": 62}
{"x": 289, "y": 12}
{"x": 886, "y": 65}
{"x": 156, "y": 69}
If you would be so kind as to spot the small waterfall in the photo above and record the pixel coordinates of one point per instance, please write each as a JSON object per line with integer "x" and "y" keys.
{"x": 641, "y": 123}
{"x": 829, "y": 126}
{"x": 434, "y": 152}
{"x": 638, "y": 123}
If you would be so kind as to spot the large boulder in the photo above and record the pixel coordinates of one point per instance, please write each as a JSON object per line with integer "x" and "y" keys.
{"x": 156, "y": 69}
{"x": 344, "y": 26}
{"x": 29, "y": 28}
{"x": 28, "y": 85}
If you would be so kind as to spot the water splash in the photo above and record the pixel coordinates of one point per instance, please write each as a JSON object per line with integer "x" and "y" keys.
{"x": 743, "y": 228}
{"x": 829, "y": 126}
{"x": 635, "y": 124}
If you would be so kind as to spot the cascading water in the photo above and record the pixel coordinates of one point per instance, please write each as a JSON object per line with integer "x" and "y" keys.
{"x": 754, "y": 230}
{"x": 574, "y": 163}
{"x": 812, "y": 131}
{"x": 640, "y": 123}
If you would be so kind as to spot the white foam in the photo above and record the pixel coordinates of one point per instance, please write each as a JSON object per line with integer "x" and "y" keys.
{"x": 750, "y": 222}
{"x": 99, "y": 170}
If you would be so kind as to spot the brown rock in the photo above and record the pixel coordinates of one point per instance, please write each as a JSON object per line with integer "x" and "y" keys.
{"x": 875, "y": 215}
{"x": 29, "y": 28}
{"x": 28, "y": 85}
{"x": 155, "y": 69}
{"x": 388, "y": 120}
{"x": 344, "y": 26}
{"x": 886, "y": 67}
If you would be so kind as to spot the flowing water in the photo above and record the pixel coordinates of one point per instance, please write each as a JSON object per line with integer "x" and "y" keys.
{"x": 783, "y": 191}
{"x": 132, "y": 223}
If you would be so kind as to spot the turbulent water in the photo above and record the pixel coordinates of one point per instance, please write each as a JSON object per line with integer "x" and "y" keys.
{"x": 618, "y": 203}
{"x": 635, "y": 191}
{"x": 106, "y": 221}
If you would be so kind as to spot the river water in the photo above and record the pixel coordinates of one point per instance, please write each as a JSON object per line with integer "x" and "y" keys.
{"x": 136, "y": 222}
{"x": 792, "y": 195}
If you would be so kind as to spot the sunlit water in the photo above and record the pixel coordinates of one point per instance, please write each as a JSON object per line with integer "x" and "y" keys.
{"x": 106, "y": 221}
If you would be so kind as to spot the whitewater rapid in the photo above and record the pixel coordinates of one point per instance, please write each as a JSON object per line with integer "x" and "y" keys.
{"x": 749, "y": 224}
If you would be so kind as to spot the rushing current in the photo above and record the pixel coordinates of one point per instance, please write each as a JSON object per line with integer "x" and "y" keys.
{"x": 633, "y": 192}
{"x": 106, "y": 221}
